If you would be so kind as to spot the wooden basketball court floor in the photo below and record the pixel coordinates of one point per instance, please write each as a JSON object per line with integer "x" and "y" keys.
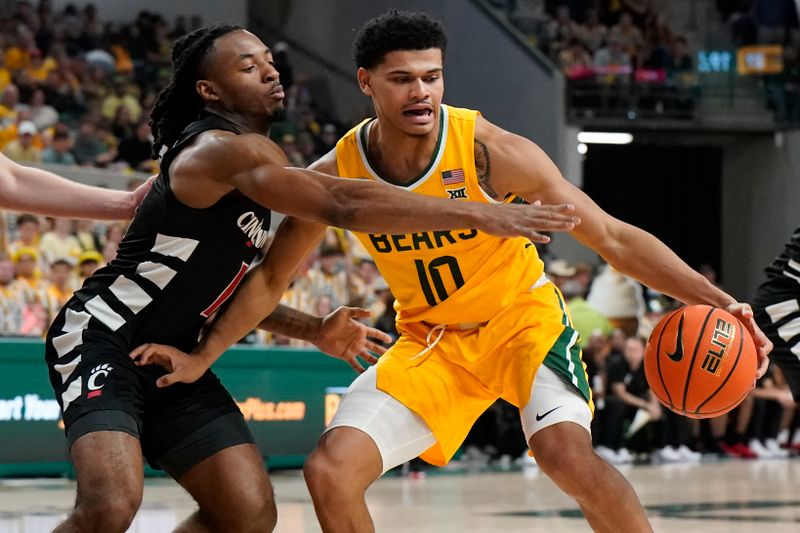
{"x": 726, "y": 496}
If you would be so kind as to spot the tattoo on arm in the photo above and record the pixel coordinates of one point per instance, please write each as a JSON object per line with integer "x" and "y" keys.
{"x": 483, "y": 166}
{"x": 291, "y": 323}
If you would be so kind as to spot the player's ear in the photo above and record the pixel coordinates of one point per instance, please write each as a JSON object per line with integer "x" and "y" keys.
{"x": 364, "y": 81}
{"x": 206, "y": 90}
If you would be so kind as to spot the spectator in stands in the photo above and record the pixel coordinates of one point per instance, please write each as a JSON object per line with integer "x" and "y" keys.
{"x": 135, "y": 149}
{"x": 532, "y": 19}
{"x": 28, "y": 285}
{"x": 592, "y": 32}
{"x": 62, "y": 91}
{"x": 88, "y": 263}
{"x": 329, "y": 277}
{"x": 328, "y": 138}
{"x": 619, "y": 298}
{"x": 59, "y": 242}
{"x": 39, "y": 66}
{"x": 575, "y": 61}
{"x": 679, "y": 63}
{"x": 60, "y": 288}
{"x": 59, "y": 151}
{"x": 639, "y": 10}
{"x": 122, "y": 125}
{"x": 18, "y": 54}
{"x": 28, "y": 233}
{"x": 586, "y": 320}
{"x": 88, "y": 148}
{"x": 773, "y": 400}
{"x": 86, "y": 235}
{"x": 559, "y": 271}
{"x": 121, "y": 97}
{"x": 9, "y": 104}
{"x": 10, "y": 307}
{"x": 22, "y": 149}
{"x": 42, "y": 115}
{"x": 612, "y": 63}
{"x": 627, "y": 35}
{"x": 561, "y": 30}
{"x": 5, "y": 74}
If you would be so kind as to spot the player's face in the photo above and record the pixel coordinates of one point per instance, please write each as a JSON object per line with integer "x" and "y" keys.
{"x": 406, "y": 89}
{"x": 242, "y": 77}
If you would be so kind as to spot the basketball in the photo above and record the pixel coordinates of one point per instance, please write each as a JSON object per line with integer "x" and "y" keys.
{"x": 700, "y": 361}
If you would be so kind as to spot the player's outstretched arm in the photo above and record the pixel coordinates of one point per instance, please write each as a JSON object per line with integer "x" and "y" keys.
{"x": 339, "y": 334}
{"x": 38, "y": 191}
{"x": 370, "y": 206}
{"x": 519, "y": 166}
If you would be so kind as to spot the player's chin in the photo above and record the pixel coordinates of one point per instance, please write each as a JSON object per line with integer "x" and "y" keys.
{"x": 277, "y": 113}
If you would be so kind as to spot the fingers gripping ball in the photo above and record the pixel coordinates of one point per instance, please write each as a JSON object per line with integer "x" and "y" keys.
{"x": 700, "y": 361}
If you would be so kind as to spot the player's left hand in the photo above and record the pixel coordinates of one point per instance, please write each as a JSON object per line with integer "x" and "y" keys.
{"x": 744, "y": 313}
{"x": 137, "y": 195}
{"x": 342, "y": 336}
{"x": 181, "y": 367}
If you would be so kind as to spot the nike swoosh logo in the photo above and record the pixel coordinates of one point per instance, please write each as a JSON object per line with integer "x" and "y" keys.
{"x": 539, "y": 417}
{"x": 677, "y": 355}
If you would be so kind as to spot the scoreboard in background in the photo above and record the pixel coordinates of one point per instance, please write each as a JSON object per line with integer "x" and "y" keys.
{"x": 757, "y": 60}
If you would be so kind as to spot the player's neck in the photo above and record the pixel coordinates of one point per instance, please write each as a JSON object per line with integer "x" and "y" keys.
{"x": 398, "y": 155}
{"x": 258, "y": 125}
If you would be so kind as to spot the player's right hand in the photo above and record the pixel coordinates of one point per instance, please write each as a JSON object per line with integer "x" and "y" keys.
{"x": 180, "y": 366}
{"x": 514, "y": 220}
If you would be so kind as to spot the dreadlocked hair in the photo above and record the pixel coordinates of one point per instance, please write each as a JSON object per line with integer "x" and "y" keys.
{"x": 178, "y": 104}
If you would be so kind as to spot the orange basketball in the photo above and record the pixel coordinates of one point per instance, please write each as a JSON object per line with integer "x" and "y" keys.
{"x": 700, "y": 361}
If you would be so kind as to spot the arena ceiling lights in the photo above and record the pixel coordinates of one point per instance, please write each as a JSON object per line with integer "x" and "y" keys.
{"x": 604, "y": 137}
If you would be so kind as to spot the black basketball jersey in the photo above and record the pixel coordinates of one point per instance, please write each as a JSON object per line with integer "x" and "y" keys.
{"x": 783, "y": 274}
{"x": 176, "y": 265}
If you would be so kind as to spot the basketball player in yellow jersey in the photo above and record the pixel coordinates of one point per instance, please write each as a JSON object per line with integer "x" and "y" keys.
{"x": 477, "y": 317}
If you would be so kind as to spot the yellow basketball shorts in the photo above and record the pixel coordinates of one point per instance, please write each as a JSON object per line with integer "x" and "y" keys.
{"x": 450, "y": 376}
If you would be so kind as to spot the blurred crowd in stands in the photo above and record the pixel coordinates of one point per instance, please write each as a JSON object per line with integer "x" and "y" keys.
{"x": 75, "y": 90}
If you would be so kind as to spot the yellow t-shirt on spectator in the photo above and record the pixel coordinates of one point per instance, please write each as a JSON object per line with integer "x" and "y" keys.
{"x": 17, "y": 58}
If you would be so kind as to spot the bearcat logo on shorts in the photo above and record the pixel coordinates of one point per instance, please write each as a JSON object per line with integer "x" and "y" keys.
{"x": 97, "y": 379}
{"x": 721, "y": 340}
{"x": 253, "y": 227}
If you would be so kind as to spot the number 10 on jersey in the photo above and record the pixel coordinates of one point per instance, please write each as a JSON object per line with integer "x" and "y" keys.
{"x": 430, "y": 277}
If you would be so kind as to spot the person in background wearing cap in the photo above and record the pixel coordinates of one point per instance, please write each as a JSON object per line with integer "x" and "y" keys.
{"x": 88, "y": 262}
{"x": 559, "y": 271}
{"x": 22, "y": 148}
{"x": 21, "y": 190}
{"x": 28, "y": 285}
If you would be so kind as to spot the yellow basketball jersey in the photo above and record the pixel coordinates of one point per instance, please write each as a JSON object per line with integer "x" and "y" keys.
{"x": 444, "y": 277}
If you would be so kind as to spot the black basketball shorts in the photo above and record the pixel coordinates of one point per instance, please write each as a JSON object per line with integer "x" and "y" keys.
{"x": 99, "y": 388}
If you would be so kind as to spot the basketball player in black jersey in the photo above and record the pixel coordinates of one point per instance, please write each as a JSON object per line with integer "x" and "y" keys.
{"x": 777, "y": 311}
{"x": 21, "y": 190}
{"x": 190, "y": 244}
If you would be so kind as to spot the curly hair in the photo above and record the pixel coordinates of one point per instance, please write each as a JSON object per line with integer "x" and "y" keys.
{"x": 179, "y": 104}
{"x": 396, "y": 30}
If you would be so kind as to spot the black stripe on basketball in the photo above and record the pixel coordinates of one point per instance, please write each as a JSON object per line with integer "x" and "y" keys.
{"x": 694, "y": 356}
{"x": 733, "y": 368}
{"x": 723, "y": 410}
{"x": 658, "y": 358}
